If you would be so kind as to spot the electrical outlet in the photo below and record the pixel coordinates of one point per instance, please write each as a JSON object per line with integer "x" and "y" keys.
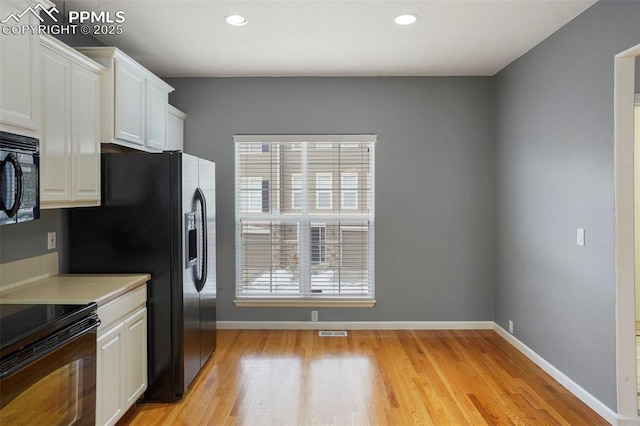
{"x": 510, "y": 326}
{"x": 51, "y": 240}
{"x": 314, "y": 316}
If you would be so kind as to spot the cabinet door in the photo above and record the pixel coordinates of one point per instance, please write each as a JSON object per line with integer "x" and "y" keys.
{"x": 157, "y": 104}
{"x": 110, "y": 364}
{"x": 19, "y": 71}
{"x": 135, "y": 379}
{"x": 130, "y": 104}
{"x": 55, "y": 140}
{"x": 85, "y": 128}
{"x": 175, "y": 133}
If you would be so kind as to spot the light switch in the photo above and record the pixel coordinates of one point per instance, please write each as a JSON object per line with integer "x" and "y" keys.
{"x": 580, "y": 237}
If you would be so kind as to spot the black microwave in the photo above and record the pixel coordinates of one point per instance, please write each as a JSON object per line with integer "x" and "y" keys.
{"x": 19, "y": 178}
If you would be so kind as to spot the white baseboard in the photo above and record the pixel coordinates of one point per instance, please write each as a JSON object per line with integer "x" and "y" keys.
{"x": 631, "y": 421}
{"x": 594, "y": 403}
{"x": 355, "y": 325}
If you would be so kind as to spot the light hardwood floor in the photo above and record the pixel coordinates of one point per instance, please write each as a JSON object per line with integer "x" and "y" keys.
{"x": 269, "y": 377}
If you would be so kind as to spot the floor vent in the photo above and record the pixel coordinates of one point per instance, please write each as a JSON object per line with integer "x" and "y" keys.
{"x": 332, "y": 334}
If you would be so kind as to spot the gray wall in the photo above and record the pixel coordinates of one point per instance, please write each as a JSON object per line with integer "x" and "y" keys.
{"x": 434, "y": 190}
{"x": 29, "y": 239}
{"x": 554, "y": 173}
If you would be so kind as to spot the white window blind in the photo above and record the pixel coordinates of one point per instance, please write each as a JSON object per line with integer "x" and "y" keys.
{"x": 296, "y": 191}
{"x": 324, "y": 190}
{"x": 252, "y": 194}
{"x": 349, "y": 190}
{"x": 305, "y": 217}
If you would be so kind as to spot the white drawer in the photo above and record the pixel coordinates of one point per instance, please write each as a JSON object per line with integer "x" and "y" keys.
{"x": 117, "y": 309}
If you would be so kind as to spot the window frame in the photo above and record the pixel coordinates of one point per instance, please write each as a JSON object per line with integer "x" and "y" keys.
{"x": 321, "y": 243}
{"x": 324, "y": 191}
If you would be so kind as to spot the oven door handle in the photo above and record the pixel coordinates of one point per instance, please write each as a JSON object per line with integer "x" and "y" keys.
{"x": 32, "y": 353}
{"x": 10, "y": 158}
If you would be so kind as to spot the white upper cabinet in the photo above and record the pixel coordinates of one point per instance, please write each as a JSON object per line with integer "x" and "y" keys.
{"x": 157, "y": 104}
{"x": 55, "y": 143}
{"x": 85, "y": 134}
{"x": 130, "y": 103}
{"x": 20, "y": 72}
{"x": 70, "y": 133}
{"x": 175, "y": 129}
{"x": 134, "y": 102}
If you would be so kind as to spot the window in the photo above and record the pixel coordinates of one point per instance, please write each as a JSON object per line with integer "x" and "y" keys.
{"x": 349, "y": 191}
{"x": 318, "y": 244}
{"x": 294, "y": 244}
{"x": 324, "y": 188}
{"x": 252, "y": 194}
{"x": 265, "y": 196}
{"x": 296, "y": 191}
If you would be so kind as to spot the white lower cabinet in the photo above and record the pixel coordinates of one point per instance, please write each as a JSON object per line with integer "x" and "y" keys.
{"x": 135, "y": 380}
{"x": 109, "y": 379}
{"x": 122, "y": 356}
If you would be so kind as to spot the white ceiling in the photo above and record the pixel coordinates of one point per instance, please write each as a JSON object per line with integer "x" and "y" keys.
{"x": 332, "y": 37}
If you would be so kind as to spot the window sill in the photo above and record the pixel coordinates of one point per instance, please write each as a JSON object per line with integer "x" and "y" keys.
{"x": 304, "y": 303}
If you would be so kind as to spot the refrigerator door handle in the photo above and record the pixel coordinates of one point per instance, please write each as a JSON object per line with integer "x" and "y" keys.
{"x": 202, "y": 276}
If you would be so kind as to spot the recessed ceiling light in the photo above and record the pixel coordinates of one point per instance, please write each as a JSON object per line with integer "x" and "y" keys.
{"x": 237, "y": 20}
{"x": 406, "y": 19}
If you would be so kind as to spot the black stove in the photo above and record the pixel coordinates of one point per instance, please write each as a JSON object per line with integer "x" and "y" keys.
{"x": 48, "y": 363}
{"x": 22, "y": 325}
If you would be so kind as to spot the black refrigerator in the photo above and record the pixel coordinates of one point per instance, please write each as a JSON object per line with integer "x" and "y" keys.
{"x": 158, "y": 216}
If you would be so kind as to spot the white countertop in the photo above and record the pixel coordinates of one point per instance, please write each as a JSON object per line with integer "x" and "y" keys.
{"x": 75, "y": 288}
